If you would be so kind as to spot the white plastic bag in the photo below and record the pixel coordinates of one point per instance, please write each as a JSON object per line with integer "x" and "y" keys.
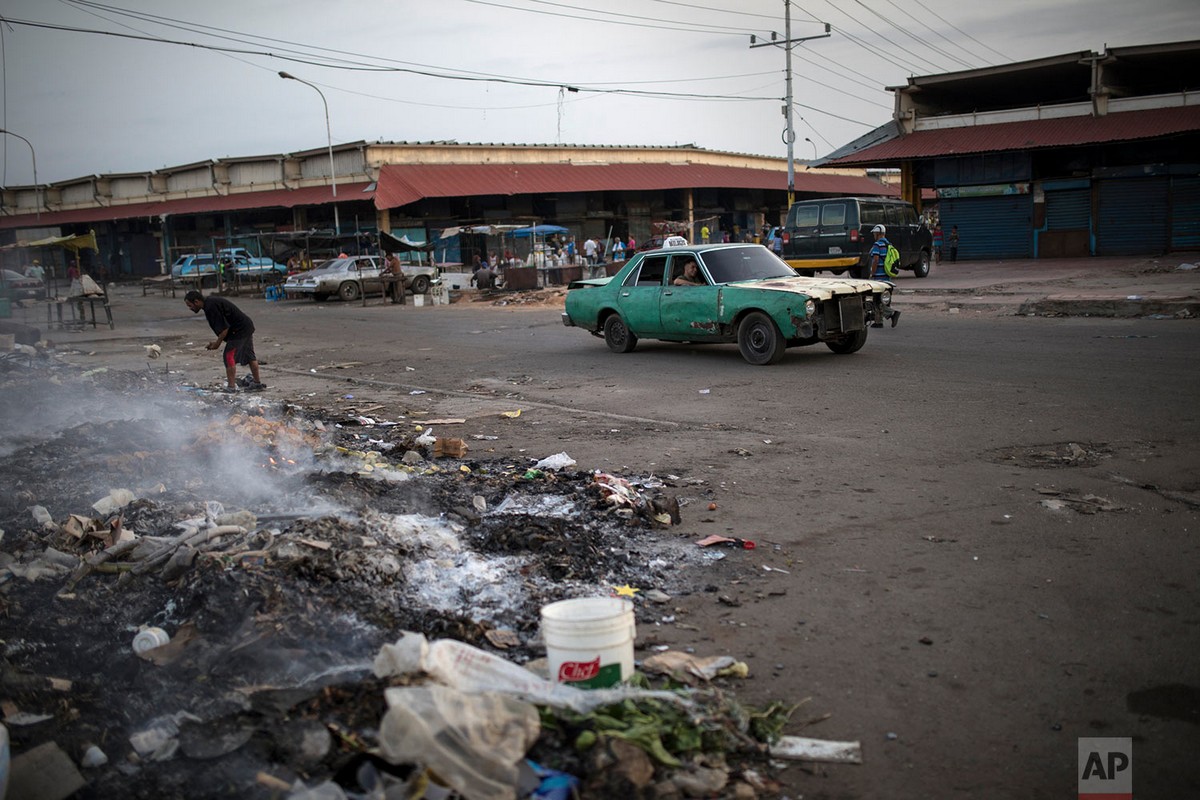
{"x": 473, "y": 742}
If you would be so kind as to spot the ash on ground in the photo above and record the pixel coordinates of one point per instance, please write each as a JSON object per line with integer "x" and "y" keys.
{"x": 279, "y": 548}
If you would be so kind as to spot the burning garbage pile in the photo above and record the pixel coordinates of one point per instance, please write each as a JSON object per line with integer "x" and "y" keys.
{"x": 211, "y": 599}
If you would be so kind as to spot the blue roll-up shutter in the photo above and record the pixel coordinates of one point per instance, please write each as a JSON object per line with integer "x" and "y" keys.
{"x": 1132, "y": 219}
{"x": 1185, "y": 213}
{"x": 1068, "y": 210}
{"x": 990, "y": 227}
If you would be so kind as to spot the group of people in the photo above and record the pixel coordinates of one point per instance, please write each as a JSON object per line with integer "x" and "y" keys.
{"x": 950, "y": 242}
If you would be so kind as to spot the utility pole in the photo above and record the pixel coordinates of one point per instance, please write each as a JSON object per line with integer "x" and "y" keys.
{"x": 789, "y": 133}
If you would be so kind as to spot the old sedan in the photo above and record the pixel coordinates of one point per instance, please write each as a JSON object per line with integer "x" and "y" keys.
{"x": 736, "y": 293}
{"x": 349, "y": 277}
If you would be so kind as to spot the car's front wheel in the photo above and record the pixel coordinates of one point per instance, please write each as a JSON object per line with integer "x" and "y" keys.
{"x": 850, "y": 343}
{"x": 420, "y": 284}
{"x": 617, "y": 335}
{"x": 348, "y": 290}
{"x": 921, "y": 270}
{"x": 759, "y": 339}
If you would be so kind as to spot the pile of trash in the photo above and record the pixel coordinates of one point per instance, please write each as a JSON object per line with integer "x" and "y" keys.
{"x": 206, "y": 599}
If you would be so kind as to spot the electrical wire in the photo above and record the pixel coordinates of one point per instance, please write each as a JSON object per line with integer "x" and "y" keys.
{"x": 673, "y": 25}
{"x": 970, "y": 53}
{"x": 916, "y": 39}
{"x": 378, "y": 68}
{"x": 964, "y": 33}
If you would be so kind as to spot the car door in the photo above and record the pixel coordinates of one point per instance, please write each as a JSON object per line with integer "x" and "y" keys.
{"x": 899, "y": 233}
{"x": 688, "y": 312}
{"x": 803, "y": 227}
{"x": 638, "y": 298}
{"x": 834, "y": 236}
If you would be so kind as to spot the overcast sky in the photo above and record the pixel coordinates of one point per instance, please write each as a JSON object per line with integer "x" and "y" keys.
{"x": 96, "y": 104}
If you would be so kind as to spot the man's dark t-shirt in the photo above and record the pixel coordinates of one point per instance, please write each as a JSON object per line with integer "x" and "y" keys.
{"x": 222, "y": 314}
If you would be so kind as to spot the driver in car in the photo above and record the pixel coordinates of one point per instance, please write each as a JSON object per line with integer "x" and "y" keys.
{"x": 691, "y": 275}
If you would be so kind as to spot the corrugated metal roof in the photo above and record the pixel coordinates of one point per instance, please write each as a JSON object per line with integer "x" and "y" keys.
{"x": 1030, "y": 135}
{"x": 401, "y": 184}
{"x": 276, "y": 198}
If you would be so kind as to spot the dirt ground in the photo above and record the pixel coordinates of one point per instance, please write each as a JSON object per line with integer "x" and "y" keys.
{"x": 966, "y": 575}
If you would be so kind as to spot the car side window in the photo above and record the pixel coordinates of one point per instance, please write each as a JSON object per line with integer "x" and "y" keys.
{"x": 805, "y": 217}
{"x": 833, "y": 215}
{"x": 872, "y": 214}
{"x": 909, "y": 214}
{"x": 650, "y": 274}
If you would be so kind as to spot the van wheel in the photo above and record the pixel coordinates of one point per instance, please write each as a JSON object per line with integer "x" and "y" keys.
{"x": 420, "y": 284}
{"x": 861, "y": 270}
{"x": 921, "y": 270}
{"x": 807, "y": 273}
{"x": 759, "y": 340}
{"x": 348, "y": 290}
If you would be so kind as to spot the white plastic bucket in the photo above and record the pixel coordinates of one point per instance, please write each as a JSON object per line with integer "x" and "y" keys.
{"x": 589, "y": 641}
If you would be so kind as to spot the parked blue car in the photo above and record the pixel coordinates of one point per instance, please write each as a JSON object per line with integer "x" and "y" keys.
{"x": 196, "y": 265}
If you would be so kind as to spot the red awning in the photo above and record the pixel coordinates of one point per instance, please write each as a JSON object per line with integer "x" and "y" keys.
{"x": 276, "y": 198}
{"x": 1029, "y": 135}
{"x": 401, "y": 184}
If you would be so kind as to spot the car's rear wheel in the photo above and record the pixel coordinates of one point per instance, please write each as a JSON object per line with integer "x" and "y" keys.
{"x": 320, "y": 297}
{"x": 348, "y": 290}
{"x": 921, "y": 270}
{"x": 759, "y": 339}
{"x": 617, "y": 335}
{"x": 861, "y": 270}
{"x": 850, "y": 343}
{"x": 420, "y": 284}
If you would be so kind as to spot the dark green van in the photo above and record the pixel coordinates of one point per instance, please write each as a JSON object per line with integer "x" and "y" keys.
{"x": 834, "y": 233}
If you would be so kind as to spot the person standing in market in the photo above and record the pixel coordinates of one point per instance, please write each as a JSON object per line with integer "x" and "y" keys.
{"x": 704, "y": 233}
{"x": 396, "y": 278}
{"x": 952, "y": 243}
{"x": 618, "y": 250}
{"x": 235, "y": 330}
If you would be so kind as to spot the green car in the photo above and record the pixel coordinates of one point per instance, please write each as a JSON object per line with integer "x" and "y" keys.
{"x": 734, "y": 293}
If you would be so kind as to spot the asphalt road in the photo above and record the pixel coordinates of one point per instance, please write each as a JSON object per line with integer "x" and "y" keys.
{"x": 932, "y": 605}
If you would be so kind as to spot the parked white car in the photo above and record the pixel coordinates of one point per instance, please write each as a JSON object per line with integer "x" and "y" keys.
{"x": 349, "y": 277}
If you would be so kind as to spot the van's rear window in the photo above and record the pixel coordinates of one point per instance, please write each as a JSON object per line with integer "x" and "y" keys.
{"x": 806, "y": 217}
{"x": 833, "y": 214}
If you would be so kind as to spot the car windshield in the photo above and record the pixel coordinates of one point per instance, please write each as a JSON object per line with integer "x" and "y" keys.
{"x": 745, "y": 264}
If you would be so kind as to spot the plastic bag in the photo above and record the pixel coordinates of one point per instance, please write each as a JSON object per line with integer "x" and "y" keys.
{"x": 470, "y": 669}
{"x": 473, "y": 742}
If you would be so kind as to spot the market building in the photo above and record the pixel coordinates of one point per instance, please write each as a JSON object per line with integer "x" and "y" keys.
{"x": 144, "y": 220}
{"x": 1088, "y": 153}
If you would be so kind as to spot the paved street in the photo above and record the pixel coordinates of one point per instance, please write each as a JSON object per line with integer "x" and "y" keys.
{"x": 986, "y": 523}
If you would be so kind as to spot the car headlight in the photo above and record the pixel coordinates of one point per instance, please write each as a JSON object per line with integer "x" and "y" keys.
{"x": 810, "y": 308}
{"x": 886, "y": 298}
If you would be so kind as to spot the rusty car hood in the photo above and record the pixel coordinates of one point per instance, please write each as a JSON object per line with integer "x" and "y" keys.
{"x": 816, "y": 288}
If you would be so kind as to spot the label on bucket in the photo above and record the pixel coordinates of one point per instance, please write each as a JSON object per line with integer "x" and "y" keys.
{"x": 589, "y": 674}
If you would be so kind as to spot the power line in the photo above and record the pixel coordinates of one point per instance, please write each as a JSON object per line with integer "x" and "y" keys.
{"x": 964, "y": 33}
{"x": 970, "y": 53}
{"x": 673, "y": 25}
{"x": 916, "y": 39}
{"x": 376, "y": 68}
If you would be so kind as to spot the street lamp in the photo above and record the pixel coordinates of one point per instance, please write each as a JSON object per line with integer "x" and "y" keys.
{"x": 337, "y": 227}
{"x": 814, "y": 144}
{"x": 37, "y": 189}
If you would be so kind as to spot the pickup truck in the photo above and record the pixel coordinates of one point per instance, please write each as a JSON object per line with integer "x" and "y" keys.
{"x": 247, "y": 264}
